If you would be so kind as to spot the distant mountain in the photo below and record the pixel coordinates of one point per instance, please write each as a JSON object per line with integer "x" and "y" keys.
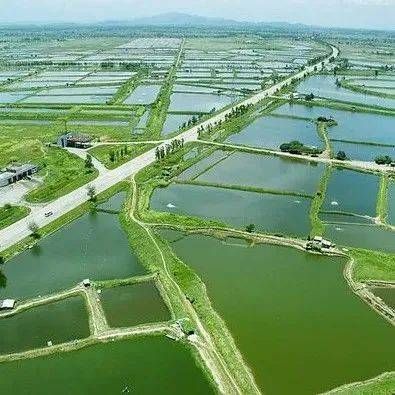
{"x": 181, "y": 19}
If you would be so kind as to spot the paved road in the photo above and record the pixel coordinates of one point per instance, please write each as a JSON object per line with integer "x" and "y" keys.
{"x": 19, "y": 230}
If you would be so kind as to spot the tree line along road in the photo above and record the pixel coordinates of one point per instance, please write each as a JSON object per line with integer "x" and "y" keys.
{"x": 20, "y": 230}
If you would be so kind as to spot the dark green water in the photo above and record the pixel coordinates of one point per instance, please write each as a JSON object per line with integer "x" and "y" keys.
{"x": 386, "y": 294}
{"x": 115, "y": 202}
{"x": 58, "y": 322}
{"x": 270, "y": 213}
{"x": 152, "y": 365}
{"x": 94, "y": 246}
{"x": 133, "y": 305}
{"x": 352, "y": 192}
{"x": 298, "y": 325}
{"x": 364, "y": 236}
{"x": 271, "y": 132}
{"x": 266, "y": 171}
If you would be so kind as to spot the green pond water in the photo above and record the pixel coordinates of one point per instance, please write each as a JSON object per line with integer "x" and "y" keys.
{"x": 265, "y": 171}
{"x": 363, "y": 236}
{"x": 391, "y": 203}
{"x": 270, "y": 213}
{"x": 115, "y": 202}
{"x": 133, "y": 305}
{"x": 271, "y": 132}
{"x": 143, "y": 366}
{"x": 292, "y": 315}
{"x": 386, "y": 294}
{"x": 68, "y": 99}
{"x": 352, "y": 192}
{"x": 352, "y": 126}
{"x": 94, "y": 246}
{"x": 58, "y": 322}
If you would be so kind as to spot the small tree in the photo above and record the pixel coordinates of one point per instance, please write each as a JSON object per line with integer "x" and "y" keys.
{"x": 91, "y": 192}
{"x": 250, "y": 228}
{"x": 111, "y": 155}
{"x": 88, "y": 162}
{"x": 2, "y": 260}
{"x": 33, "y": 227}
{"x": 341, "y": 155}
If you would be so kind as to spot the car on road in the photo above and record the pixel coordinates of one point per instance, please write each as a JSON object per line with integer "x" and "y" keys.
{"x": 48, "y": 214}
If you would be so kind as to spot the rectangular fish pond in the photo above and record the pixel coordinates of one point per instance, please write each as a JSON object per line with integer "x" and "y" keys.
{"x": 144, "y": 365}
{"x": 294, "y": 318}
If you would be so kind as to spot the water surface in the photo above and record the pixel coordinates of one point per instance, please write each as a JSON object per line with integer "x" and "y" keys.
{"x": 135, "y": 304}
{"x": 147, "y": 365}
{"x": 295, "y": 318}
{"x": 57, "y": 322}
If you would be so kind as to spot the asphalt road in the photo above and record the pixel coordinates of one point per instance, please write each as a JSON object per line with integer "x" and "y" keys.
{"x": 19, "y": 230}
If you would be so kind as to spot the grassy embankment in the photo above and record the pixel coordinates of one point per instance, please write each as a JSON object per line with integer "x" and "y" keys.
{"x": 10, "y": 214}
{"x": 160, "y": 106}
{"x": 364, "y": 90}
{"x": 317, "y": 226}
{"x": 120, "y": 153}
{"x": 380, "y": 385}
{"x": 372, "y": 265}
{"x": 191, "y": 286}
{"x": 382, "y": 199}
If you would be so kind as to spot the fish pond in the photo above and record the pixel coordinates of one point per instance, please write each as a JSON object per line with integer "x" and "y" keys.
{"x": 325, "y": 86}
{"x": 266, "y": 172}
{"x": 135, "y": 304}
{"x": 57, "y": 322}
{"x": 94, "y": 246}
{"x": 143, "y": 366}
{"x": 272, "y": 131}
{"x": 269, "y": 212}
{"x": 291, "y": 312}
{"x": 370, "y": 237}
{"x": 196, "y": 102}
{"x": 352, "y": 192}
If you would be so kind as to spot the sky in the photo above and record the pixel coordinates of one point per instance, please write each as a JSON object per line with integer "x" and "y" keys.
{"x": 338, "y": 13}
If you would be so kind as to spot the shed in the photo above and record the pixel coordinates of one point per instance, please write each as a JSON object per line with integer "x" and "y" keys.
{"x": 7, "y": 304}
{"x": 86, "y": 282}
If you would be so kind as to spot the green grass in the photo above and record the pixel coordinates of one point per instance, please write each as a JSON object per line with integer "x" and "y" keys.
{"x": 373, "y": 265}
{"x": 10, "y": 214}
{"x": 317, "y": 226}
{"x": 62, "y": 174}
{"x": 382, "y": 198}
{"x": 381, "y": 385}
{"x": 102, "y": 153}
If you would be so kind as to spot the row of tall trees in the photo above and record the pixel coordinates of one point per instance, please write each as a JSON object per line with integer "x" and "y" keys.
{"x": 163, "y": 151}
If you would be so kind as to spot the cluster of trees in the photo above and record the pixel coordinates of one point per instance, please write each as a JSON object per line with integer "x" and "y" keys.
{"x": 384, "y": 160}
{"x": 298, "y": 148}
{"x": 237, "y": 111}
{"x": 163, "y": 151}
{"x": 309, "y": 97}
{"x": 115, "y": 155}
{"x": 190, "y": 122}
{"x": 341, "y": 155}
